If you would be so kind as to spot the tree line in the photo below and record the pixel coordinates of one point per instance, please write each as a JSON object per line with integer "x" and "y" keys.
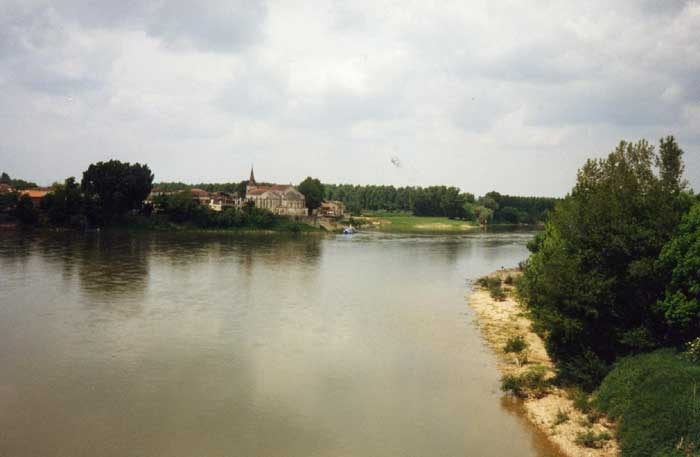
{"x": 442, "y": 201}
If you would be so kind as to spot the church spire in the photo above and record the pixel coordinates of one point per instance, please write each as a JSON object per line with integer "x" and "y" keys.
{"x": 251, "y": 180}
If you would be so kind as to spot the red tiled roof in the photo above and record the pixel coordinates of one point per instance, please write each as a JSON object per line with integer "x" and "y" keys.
{"x": 35, "y": 193}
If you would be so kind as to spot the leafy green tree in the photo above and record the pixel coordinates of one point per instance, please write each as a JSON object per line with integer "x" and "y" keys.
{"x": 593, "y": 281}
{"x": 114, "y": 188}
{"x": 5, "y": 178}
{"x": 680, "y": 305}
{"x": 25, "y": 211}
{"x": 313, "y": 192}
{"x": 64, "y": 206}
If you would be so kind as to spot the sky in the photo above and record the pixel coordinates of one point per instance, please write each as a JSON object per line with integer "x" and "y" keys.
{"x": 482, "y": 95}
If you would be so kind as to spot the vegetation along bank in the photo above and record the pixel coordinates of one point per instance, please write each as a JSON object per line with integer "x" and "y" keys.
{"x": 612, "y": 289}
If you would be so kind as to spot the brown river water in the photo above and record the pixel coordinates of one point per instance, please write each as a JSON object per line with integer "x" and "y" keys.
{"x": 229, "y": 345}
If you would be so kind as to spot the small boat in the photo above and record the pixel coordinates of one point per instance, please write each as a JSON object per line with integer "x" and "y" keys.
{"x": 349, "y": 230}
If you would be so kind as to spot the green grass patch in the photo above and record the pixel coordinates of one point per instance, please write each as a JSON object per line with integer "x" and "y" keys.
{"x": 532, "y": 383}
{"x": 656, "y": 397}
{"x": 407, "y": 223}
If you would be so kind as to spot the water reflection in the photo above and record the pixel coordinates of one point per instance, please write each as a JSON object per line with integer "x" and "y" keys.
{"x": 206, "y": 344}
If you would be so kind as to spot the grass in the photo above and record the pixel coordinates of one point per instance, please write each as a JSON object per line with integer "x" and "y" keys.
{"x": 656, "y": 398}
{"x": 591, "y": 439}
{"x": 531, "y": 383}
{"x": 407, "y": 223}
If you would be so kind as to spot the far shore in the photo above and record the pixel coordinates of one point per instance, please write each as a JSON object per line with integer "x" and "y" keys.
{"x": 501, "y": 320}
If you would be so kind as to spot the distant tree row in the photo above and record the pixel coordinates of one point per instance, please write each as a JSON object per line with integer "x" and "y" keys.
{"x": 18, "y": 184}
{"x": 229, "y": 187}
{"x": 442, "y": 201}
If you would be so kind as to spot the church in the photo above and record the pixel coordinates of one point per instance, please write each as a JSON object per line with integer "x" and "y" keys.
{"x": 280, "y": 199}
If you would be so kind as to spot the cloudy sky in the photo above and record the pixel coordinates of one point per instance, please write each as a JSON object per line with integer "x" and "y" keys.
{"x": 484, "y": 95}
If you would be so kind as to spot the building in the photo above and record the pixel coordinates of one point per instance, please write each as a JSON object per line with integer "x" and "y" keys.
{"x": 6, "y": 188}
{"x": 220, "y": 201}
{"x": 280, "y": 199}
{"x": 201, "y": 196}
{"x": 331, "y": 209}
{"x": 35, "y": 194}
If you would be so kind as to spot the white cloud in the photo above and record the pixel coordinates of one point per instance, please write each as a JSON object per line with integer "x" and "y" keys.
{"x": 511, "y": 96}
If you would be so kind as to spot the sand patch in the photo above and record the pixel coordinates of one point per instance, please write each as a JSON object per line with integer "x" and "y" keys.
{"x": 500, "y": 320}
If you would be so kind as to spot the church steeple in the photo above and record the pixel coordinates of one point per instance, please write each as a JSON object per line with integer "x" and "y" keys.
{"x": 251, "y": 180}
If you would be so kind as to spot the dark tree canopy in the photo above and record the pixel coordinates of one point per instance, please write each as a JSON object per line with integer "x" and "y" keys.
{"x": 4, "y": 178}
{"x": 593, "y": 279}
{"x": 113, "y": 188}
{"x": 64, "y": 205}
{"x": 313, "y": 192}
{"x": 680, "y": 306}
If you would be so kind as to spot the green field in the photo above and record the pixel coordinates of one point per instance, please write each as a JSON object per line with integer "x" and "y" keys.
{"x": 406, "y": 223}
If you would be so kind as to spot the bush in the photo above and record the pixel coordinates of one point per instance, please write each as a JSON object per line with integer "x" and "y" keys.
{"x": 509, "y": 280}
{"x": 532, "y": 383}
{"x": 581, "y": 400}
{"x": 560, "y": 418}
{"x": 516, "y": 344}
{"x": 656, "y": 397}
{"x": 591, "y": 439}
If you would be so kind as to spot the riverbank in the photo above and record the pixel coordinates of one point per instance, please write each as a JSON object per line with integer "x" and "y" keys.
{"x": 552, "y": 409}
{"x": 408, "y": 223}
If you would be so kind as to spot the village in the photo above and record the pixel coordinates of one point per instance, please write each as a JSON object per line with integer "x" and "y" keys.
{"x": 283, "y": 200}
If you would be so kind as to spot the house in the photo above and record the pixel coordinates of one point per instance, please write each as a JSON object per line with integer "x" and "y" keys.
{"x": 280, "y": 199}
{"x": 201, "y": 196}
{"x": 220, "y": 201}
{"x": 5, "y": 189}
{"x": 331, "y": 209}
{"x": 36, "y": 194}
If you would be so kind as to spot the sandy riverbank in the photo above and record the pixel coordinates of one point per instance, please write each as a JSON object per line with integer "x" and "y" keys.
{"x": 500, "y": 320}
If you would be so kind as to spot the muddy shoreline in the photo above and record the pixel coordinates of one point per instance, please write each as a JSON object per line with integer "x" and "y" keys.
{"x": 553, "y": 413}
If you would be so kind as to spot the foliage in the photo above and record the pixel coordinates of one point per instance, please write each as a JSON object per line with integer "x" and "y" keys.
{"x": 64, "y": 205}
{"x": 25, "y": 211}
{"x": 313, "y": 192}
{"x": 692, "y": 352}
{"x": 656, "y": 397}
{"x": 17, "y": 184}
{"x": 515, "y": 344}
{"x": 591, "y": 439}
{"x": 680, "y": 305}
{"x": 592, "y": 281}
{"x": 113, "y": 188}
{"x": 228, "y": 187}
{"x": 510, "y": 209}
{"x": 440, "y": 201}
{"x": 581, "y": 400}
{"x": 560, "y": 418}
{"x": 532, "y": 383}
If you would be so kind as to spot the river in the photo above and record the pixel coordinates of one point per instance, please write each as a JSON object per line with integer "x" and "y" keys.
{"x": 202, "y": 344}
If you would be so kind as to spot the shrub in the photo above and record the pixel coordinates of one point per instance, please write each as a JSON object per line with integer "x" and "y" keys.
{"x": 591, "y": 439}
{"x": 509, "y": 280}
{"x": 497, "y": 293}
{"x": 560, "y": 418}
{"x": 532, "y": 383}
{"x": 692, "y": 352}
{"x": 581, "y": 400}
{"x": 516, "y": 344}
{"x": 656, "y": 397}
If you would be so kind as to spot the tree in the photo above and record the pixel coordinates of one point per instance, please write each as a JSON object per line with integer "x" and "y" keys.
{"x": 592, "y": 281}
{"x": 680, "y": 306}
{"x": 113, "y": 188}
{"x": 5, "y": 178}
{"x": 64, "y": 206}
{"x": 313, "y": 192}
{"x": 25, "y": 211}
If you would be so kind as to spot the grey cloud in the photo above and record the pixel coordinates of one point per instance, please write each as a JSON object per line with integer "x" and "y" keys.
{"x": 214, "y": 25}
